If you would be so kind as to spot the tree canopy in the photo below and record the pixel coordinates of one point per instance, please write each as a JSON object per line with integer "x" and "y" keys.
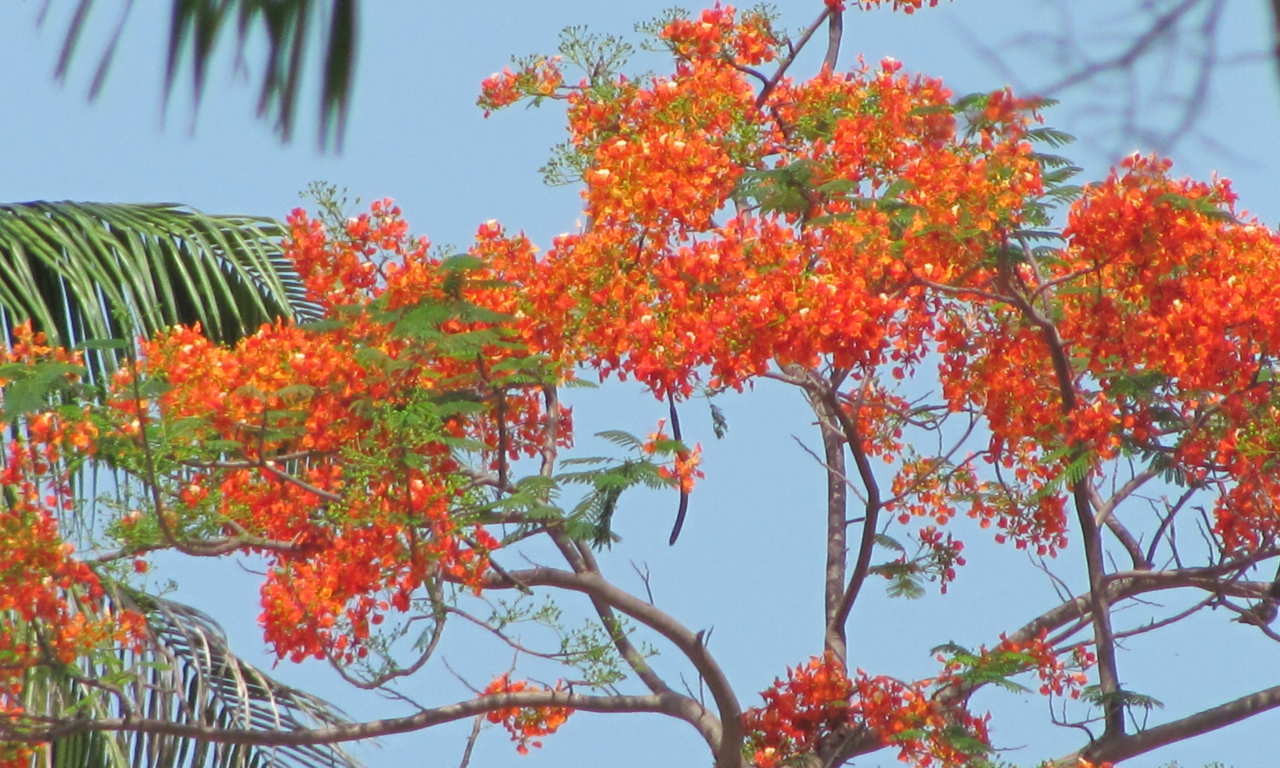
{"x": 1083, "y": 372}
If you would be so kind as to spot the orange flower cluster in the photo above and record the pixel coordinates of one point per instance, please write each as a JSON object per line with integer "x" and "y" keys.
{"x": 1171, "y": 330}
{"x": 683, "y": 469}
{"x": 538, "y": 77}
{"x": 716, "y": 33}
{"x": 819, "y": 702}
{"x": 848, "y": 186}
{"x": 1181, "y": 330}
{"x": 1057, "y": 676}
{"x": 1021, "y": 507}
{"x": 944, "y": 553}
{"x": 333, "y": 448}
{"x": 525, "y": 724}
{"x": 52, "y": 603}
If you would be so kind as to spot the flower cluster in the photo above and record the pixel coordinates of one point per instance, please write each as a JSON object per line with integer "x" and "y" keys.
{"x": 52, "y": 602}
{"x": 332, "y": 450}
{"x": 1058, "y": 676}
{"x": 812, "y": 265}
{"x": 525, "y": 724}
{"x": 819, "y": 702}
{"x": 718, "y": 33}
{"x": 943, "y": 554}
{"x": 533, "y": 78}
{"x": 683, "y": 470}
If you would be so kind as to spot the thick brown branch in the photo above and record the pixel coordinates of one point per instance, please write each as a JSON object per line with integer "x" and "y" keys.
{"x": 1100, "y": 608}
{"x": 1126, "y": 584}
{"x": 583, "y": 561}
{"x": 725, "y": 736}
{"x": 632, "y": 655}
{"x": 1128, "y": 541}
{"x": 837, "y": 523}
{"x": 1121, "y": 586}
{"x": 835, "y": 31}
{"x": 549, "y": 449}
{"x": 871, "y": 517}
{"x": 675, "y": 706}
{"x": 1115, "y": 749}
{"x": 1099, "y": 601}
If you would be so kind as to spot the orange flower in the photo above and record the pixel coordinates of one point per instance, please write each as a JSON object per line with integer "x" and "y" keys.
{"x": 526, "y": 724}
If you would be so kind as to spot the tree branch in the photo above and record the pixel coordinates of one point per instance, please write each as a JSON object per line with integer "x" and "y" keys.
{"x": 1115, "y": 749}
{"x": 632, "y": 655}
{"x": 835, "y": 31}
{"x": 1105, "y": 515}
{"x": 676, "y": 706}
{"x": 870, "y": 519}
{"x": 725, "y": 736}
{"x": 837, "y": 524}
{"x": 1126, "y": 584}
{"x": 787, "y": 62}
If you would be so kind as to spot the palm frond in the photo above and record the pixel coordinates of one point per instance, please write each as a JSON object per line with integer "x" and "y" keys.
{"x": 84, "y": 271}
{"x": 187, "y": 674}
{"x": 195, "y": 28}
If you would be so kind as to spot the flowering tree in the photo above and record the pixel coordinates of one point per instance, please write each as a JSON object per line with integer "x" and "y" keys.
{"x": 1089, "y": 384}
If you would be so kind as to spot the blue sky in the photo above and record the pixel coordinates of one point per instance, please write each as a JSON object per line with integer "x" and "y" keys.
{"x": 749, "y": 561}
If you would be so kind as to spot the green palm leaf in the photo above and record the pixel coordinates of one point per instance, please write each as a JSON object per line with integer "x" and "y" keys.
{"x": 85, "y": 271}
{"x": 188, "y": 675}
{"x": 290, "y": 26}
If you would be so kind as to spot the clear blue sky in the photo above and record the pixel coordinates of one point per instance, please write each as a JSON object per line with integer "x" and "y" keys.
{"x": 749, "y": 561}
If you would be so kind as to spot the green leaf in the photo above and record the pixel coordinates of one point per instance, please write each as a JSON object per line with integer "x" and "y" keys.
{"x": 32, "y": 385}
{"x": 536, "y": 364}
{"x": 186, "y": 674}
{"x": 889, "y": 542}
{"x": 932, "y": 109}
{"x": 88, "y": 344}
{"x": 783, "y": 190}
{"x": 23, "y": 397}
{"x": 301, "y": 391}
{"x": 372, "y": 357}
{"x": 1201, "y": 205}
{"x": 971, "y": 101}
{"x": 94, "y": 271}
{"x": 587, "y": 460}
{"x": 965, "y": 742}
{"x": 462, "y": 262}
{"x": 153, "y": 387}
{"x": 618, "y": 437}
{"x": 290, "y": 27}
{"x": 1127, "y": 699}
{"x": 250, "y": 391}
